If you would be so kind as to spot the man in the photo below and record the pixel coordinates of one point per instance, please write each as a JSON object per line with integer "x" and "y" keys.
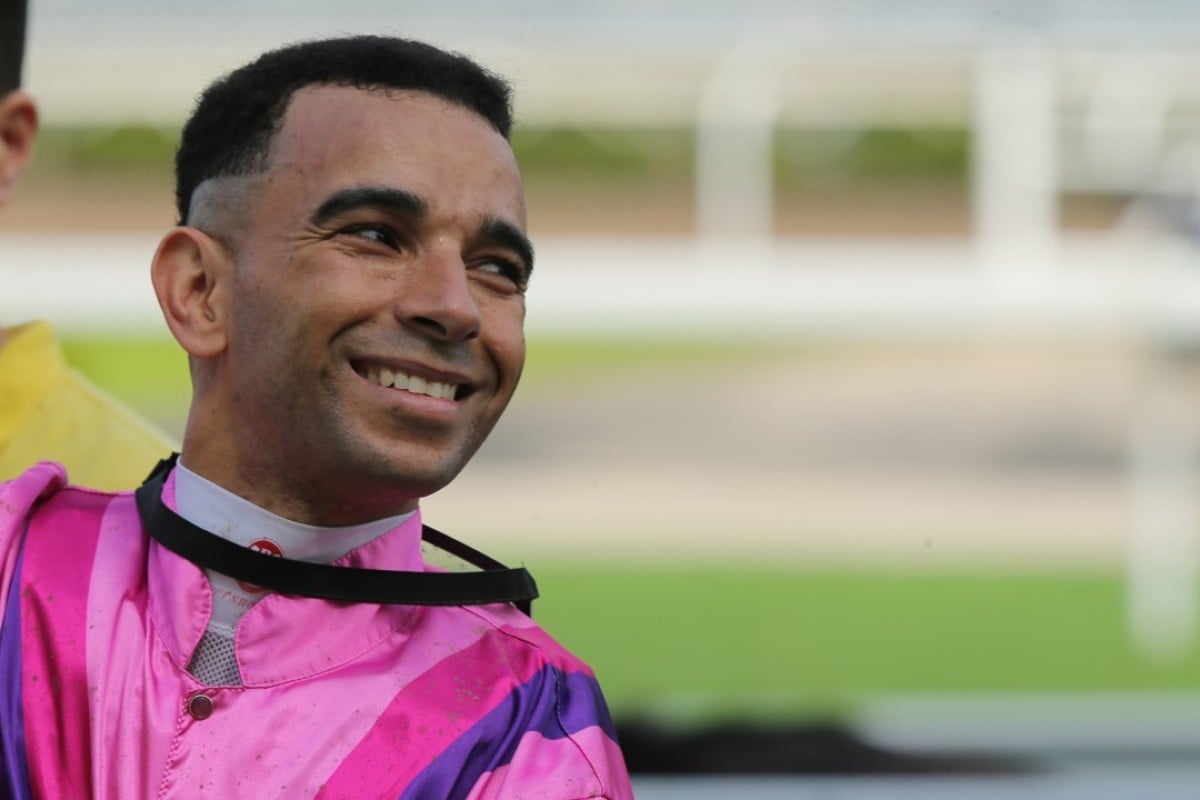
{"x": 348, "y": 281}
{"x": 47, "y": 410}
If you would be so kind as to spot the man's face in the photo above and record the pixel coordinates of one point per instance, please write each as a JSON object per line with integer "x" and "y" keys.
{"x": 378, "y": 297}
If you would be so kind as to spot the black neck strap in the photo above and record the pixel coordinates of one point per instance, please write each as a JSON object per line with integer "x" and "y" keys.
{"x": 494, "y": 583}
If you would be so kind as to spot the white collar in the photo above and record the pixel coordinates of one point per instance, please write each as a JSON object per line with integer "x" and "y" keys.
{"x": 225, "y": 514}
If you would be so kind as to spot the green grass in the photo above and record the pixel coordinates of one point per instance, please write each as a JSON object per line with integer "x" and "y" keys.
{"x": 880, "y": 154}
{"x": 563, "y": 364}
{"x": 603, "y": 154}
{"x": 821, "y": 639}
{"x": 131, "y": 365}
{"x": 149, "y": 373}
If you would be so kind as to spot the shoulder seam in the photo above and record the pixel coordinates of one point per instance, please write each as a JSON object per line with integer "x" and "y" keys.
{"x": 558, "y": 690}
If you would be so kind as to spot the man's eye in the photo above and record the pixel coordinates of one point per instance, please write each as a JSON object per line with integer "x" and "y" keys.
{"x": 505, "y": 268}
{"x": 375, "y": 233}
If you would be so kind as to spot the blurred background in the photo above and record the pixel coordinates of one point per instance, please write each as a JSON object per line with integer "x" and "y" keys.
{"x": 857, "y": 444}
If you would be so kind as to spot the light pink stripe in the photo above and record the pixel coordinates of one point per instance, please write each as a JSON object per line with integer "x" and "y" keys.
{"x": 133, "y": 716}
{"x": 566, "y": 766}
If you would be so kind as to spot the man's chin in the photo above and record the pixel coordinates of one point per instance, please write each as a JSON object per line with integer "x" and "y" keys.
{"x": 407, "y": 477}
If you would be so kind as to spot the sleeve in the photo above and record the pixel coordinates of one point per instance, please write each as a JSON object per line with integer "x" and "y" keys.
{"x": 569, "y": 752}
{"x": 18, "y": 498}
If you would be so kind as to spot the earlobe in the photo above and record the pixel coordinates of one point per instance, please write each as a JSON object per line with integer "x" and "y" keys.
{"x": 191, "y": 277}
{"x": 18, "y": 132}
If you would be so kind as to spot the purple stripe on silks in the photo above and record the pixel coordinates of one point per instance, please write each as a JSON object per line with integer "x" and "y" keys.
{"x": 585, "y": 706}
{"x": 552, "y": 703}
{"x": 14, "y": 769}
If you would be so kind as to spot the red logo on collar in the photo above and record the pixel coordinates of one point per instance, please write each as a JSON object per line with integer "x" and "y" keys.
{"x": 261, "y": 546}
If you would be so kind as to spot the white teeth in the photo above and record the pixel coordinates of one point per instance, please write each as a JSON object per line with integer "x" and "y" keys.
{"x": 411, "y": 383}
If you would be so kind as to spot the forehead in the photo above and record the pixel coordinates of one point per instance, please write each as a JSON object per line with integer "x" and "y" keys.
{"x": 333, "y": 137}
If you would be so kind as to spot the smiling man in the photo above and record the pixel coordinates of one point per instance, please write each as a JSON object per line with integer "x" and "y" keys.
{"x": 383, "y": 241}
{"x": 348, "y": 281}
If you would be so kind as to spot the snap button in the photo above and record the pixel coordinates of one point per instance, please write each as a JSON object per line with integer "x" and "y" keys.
{"x": 200, "y": 706}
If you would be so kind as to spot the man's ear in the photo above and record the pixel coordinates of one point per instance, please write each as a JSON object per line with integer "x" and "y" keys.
{"x": 18, "y": 131}
{"x": 192, "y": 275}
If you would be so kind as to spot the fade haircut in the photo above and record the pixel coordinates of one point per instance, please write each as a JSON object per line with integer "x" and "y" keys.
{"x": 12, "y": 44}
{"x": 235, "y": 121}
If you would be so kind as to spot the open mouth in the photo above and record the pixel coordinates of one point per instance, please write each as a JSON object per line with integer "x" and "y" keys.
{"x": 395, "y": 379}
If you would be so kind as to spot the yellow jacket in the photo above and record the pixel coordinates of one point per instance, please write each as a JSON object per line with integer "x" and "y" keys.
{"x": 49, "y": 412}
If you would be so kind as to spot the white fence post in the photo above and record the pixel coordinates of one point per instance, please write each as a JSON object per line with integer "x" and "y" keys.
{"x": 735, "y": 133}
{"x": 1014, "y": 164}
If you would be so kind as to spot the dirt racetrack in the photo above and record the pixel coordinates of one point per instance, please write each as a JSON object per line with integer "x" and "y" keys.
{"x": 922, "y": 457}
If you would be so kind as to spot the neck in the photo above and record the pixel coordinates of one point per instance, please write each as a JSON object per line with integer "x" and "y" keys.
{"x": 274, "y": 476}
{"x": 281, "y": 492}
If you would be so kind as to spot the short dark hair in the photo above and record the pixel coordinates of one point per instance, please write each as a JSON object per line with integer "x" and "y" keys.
{"x": 12, "y": 44}
{"x": 236, "y": 118}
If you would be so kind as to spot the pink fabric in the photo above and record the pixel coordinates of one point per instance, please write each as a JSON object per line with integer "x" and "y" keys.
{"x": 137, "y": 715}
{"x": 439, "y": 708}
{"x": 340, "y": 700}
{"x": 51, "y": 629}
{"x": 16, "y": 498}
{"x": 539, "y": 763}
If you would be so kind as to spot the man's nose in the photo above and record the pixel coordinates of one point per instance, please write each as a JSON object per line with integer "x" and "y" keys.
{"x": 437, "y": 298}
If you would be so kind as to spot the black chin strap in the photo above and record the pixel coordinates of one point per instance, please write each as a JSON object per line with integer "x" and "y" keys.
{"x": 495, "y": 583}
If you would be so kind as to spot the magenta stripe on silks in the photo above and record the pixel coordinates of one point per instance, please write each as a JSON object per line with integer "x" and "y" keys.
{"x": 552, "y": 703}
{"x": 433, "y": 711}
{"x": 14, "y": 771}
{"x": 59, "y": 549}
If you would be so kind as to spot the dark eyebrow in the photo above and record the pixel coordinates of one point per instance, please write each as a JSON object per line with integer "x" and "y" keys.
{"x": 345, "y": 200}
{"x": 398, "y": 200}
{"x": 510, "y": 236}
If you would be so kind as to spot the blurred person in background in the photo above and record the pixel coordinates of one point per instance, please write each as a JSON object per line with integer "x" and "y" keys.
{"x": 348, "y": 280}
{"x": 48, "y": 411}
